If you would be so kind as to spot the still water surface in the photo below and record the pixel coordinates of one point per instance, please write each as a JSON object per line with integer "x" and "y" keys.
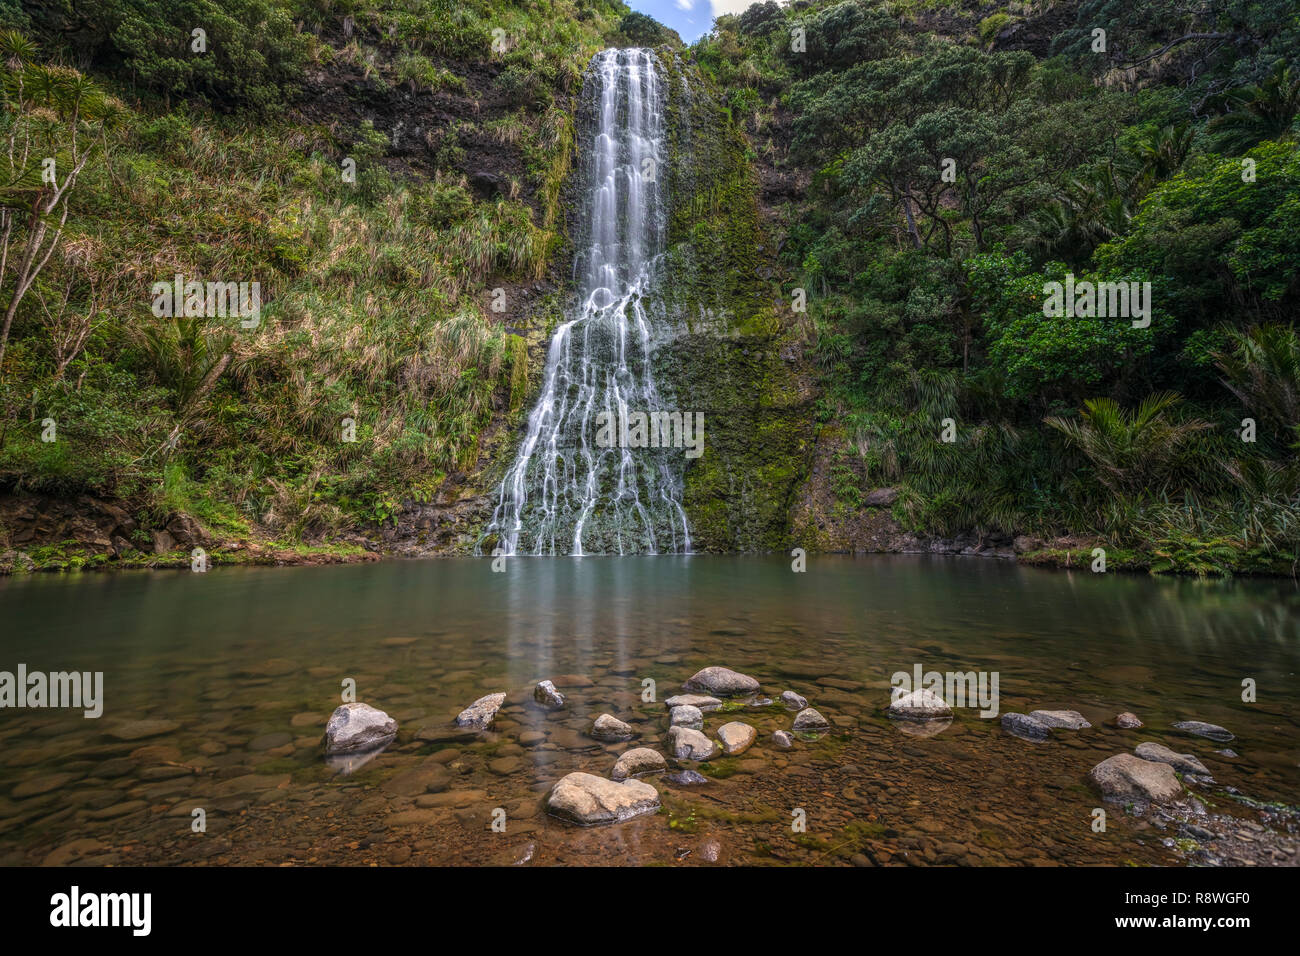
{"x": 242, "y": 667}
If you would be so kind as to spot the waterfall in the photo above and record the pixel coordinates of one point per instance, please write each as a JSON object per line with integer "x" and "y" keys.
{"x": 566, "y": 492}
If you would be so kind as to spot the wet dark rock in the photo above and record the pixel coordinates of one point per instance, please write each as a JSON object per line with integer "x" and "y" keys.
{"x": 1201, "y": 729}
{"x": 1025, "y": 727}
{"x": 1064, "y": 719}
{"x": 357, "y": 727}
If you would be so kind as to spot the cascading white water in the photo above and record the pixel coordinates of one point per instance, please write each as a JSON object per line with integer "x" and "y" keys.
{"x": 565, "y": 494}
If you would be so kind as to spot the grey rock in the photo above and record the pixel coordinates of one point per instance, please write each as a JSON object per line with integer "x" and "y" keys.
{"x": 588, "y": 800}
{"x": 721, "y": 682}
{"x": 809, "y": 721}
{"x": 702, "y": 701}
{"x": 608, "y": 727}
{"x": 687, "y": 744}
{"x": 1185, "y": 763}
{"x": 1127, "y": 721}
{"x": 1125, "y": 777}
{"x": 637, "y": 761}
{"x": 357, "y": 727}
{"x": 736, "y": 737}
{"x": 1066, "y": 719}
{"x": 923, "y": 704}
{"x": 1201, "y": 729}
{"x": 1025, "y": 727}
{"x": 546, "y": 695}
{"x": 685, "y": 715}
{"x": 782, "y": 739}
{"x": 480, "y": 714}
{"x": 793, "y": 701}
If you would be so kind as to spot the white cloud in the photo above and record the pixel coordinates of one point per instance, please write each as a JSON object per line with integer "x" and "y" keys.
{"x": 730, "y": 6}
{"x": 684, "y": 4}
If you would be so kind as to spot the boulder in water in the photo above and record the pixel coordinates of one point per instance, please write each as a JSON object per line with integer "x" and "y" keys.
{"x": 810, "y": 721}
{"x": 1025, "y": 727}
{"x": 1124, "y": 778}
{"x": 688, "y": 744}
{"x": 722, "y": 682}
{"x": 637, "y": 761}
{"x": 609, "y": 727}
{"x": 588, "y": 800}
{"x": 702, "y": 701}
{"x": 356, "y": 727}
{"x": 1065, "y": 719}
{"x": 480, "y": 714}
{"x": 546, "y": 695}
{"x": 793, "y": 701}
{"x": 736, "y": 737}
{"x": 685, "y": 715}
{"x": 1201, "y": 729}
{"x": 1184, "y": 763}
{"x": 1127, "y": 721}
{"x": 922, "y": 704}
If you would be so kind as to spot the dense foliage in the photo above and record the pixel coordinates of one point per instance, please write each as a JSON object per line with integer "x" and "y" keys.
{"x": 378, "y": 364}
{"x": 951, "y": 166}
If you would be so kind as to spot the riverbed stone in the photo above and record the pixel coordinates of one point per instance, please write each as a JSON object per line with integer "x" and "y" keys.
{"x": 1124, "y": 777}
{"x": 356, "y": 726}
{"x": 701, "y": 701}
{"x": 1127, "y": 721}
{"x": 480, "y": 714}
{"x": 721, "y": 682}
{"x": 637, "y": 761}
{"x": 1201, "y": 729}
{"x": 1025, "y": 727}
{"x": 588, "y": 800}
{"x": 736, "y": 737}
{"x": 810, "y": 721}
{"x": 687, "y": 778}
{"x": 546, "y": 695}
{"x": 140, "y": 729}
{"x": 921, "y": 704}
{"x": 1186, "y": 763}
{"x": 793, "y": 701}
{"x": 1065, "y": 719}
{"x": 609, "y": 727}
{"x": 782, "y": 739}
{"x": 686, "y": 716}
{"x": 688, "y": 744}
